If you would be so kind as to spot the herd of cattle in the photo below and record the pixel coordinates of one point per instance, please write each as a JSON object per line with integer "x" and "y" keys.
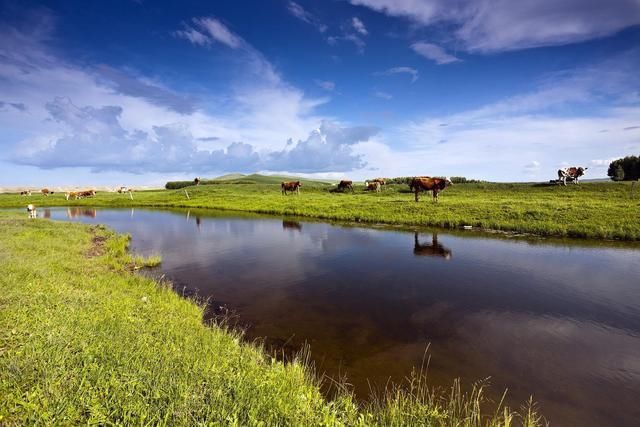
{"x": 80, "y": 194}
{"x": 419, "y": 184}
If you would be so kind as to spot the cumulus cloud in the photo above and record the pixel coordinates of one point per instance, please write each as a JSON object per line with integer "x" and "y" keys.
{"x": 94, "y": 138}
{"x": 299, "y": 12}
{"x": 399, "y": 70}
{"x": 359, "y": 26}
{"x": 433, "y": 52}
{"x": 501, "y": 25}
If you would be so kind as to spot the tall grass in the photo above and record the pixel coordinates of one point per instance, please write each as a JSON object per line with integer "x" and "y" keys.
{"x": 85, "y": 341}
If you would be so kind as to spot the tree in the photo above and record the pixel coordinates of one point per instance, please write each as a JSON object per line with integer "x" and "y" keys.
{"x": 625, "y": 169}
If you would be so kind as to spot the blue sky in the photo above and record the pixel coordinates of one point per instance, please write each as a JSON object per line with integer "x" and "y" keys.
{"x": 138, "y": 92}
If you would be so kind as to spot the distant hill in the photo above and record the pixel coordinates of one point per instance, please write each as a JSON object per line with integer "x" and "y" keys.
{"x": 229, "y": 176}
{"x": 249, "y": 179}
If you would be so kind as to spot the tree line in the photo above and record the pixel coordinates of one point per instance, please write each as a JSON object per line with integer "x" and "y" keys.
{"x": 625, "y": 169}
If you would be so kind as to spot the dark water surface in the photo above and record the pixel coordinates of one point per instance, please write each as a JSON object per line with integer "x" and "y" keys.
{"x": 556, "y": 319}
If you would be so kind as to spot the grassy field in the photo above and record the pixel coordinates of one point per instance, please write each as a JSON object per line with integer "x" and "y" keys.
{"x": 602, "y": 210}
{"x": 83, "y": 340}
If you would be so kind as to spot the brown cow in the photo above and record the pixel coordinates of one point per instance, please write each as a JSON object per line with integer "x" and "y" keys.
{"x": 425, "y": 183}
{"x": 293, "y": 186}
{"x": 373, "y": 186}
{"x": 573, "y": 174}
{"x": 434, "y": 249}
{"x": 46, "y": 192}
{"x": 25, "y": 193}
{"x": 71, "y": 195}
{"x": 86, "y": 193}
{"x": 345, "y": 185}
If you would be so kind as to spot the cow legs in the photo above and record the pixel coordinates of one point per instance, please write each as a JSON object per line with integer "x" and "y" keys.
{"x": 416, "y": 191}
{"x": 435, "y": 195}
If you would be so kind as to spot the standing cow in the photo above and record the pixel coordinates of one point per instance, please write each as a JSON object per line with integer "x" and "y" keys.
{"x": 572, "y": 174}
{"x": 425, "y": 183}
{"x": 293, "y": 186}
{"x": 373, "y": 185}
{"x": 46, "y": 192}
{"x": 345, "y": 185}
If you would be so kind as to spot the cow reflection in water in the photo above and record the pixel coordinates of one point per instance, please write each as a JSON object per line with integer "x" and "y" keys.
{"x": 294, "y": 225}
{"x": 78, "y": 212}
{"x": 198, "y": 222}
{"x": 434, "y": 249}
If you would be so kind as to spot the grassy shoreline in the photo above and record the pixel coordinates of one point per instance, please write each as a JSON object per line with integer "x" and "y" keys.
{"x": 589, "y": 210}
{"x": 83, "y": 340}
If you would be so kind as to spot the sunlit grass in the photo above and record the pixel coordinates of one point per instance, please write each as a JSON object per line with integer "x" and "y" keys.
{"x": 588, "y": 210}
{"x": 83, "y": 340}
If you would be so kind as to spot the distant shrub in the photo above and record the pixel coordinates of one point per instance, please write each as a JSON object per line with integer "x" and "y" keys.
{"x": 625, "y": 169}
{"x": 174, "y": 185}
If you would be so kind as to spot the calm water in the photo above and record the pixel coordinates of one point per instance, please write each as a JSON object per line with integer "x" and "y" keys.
{"x": 559, "y": 320}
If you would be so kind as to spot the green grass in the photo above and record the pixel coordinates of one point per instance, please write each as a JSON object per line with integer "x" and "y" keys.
{"x": 602, "y": 210}
{"x": 83, "y": 340}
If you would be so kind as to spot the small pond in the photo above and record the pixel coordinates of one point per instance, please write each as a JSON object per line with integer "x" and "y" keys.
{"x": 559, "y": 319}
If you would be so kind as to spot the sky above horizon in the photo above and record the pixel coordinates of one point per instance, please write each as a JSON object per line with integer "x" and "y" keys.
{"x": 130, "y": 92}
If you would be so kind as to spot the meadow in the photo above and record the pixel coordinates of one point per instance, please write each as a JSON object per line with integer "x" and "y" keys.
{"x": 598, "y": 210}
{"x": 83, "y": 340}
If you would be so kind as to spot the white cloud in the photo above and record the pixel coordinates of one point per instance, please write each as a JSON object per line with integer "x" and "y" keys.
{"x": 359, "y": 26}
{"x": 433, "y": 52}
{"x": 299, "y": 12}
{"x": 383, "y": 95}
{"x": 106, "y": 119}
{"x": 399, "y": 70}
{"x": 500, "y": 25}
{"x": 326, "y": 85}
{"x": 209, "y": 29}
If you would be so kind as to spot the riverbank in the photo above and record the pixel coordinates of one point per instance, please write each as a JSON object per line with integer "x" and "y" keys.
{"x": 602, "y": 210}
{"x": 84, "y": 340}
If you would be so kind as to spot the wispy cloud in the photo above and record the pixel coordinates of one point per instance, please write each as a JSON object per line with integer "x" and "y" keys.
{"x": 433, "y": 52}
{"x": 299, "y": 12}
{"x": 399, "y": 70}
{"x": 497, "y": 25}
{"x": 326, "y": 85}
{"x": 207, "y": 30}
{"x": 382, "y": 95}
{"x": 358, "y": 25}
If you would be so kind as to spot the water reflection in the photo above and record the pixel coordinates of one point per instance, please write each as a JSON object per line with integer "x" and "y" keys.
{"x": 433, "y": 249}
{"x": 79, "y": 212}
{"x": 560, "y": 321}
{"x": 292, "y": 225}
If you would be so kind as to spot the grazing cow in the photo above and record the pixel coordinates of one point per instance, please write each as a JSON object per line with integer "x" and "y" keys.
{"x": 71, "y": 195}
{"x": 25, "y": 193}
{"x": 382, "y": 181}
{"x": 196, "y": 181}
{"x": 46, "y": 192}
{"x": 86, "y": 193}
{"x": 32, "y": 211}
{"x": 122, "y": 190}
{"x": 572, "y": 174}
{"x": 293, "y": 186}
{"x": 434, "y": 249}
{"x": 345, "y": 185}
{"x": 373, "y": 186}
{"x": 435, "y": 185}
